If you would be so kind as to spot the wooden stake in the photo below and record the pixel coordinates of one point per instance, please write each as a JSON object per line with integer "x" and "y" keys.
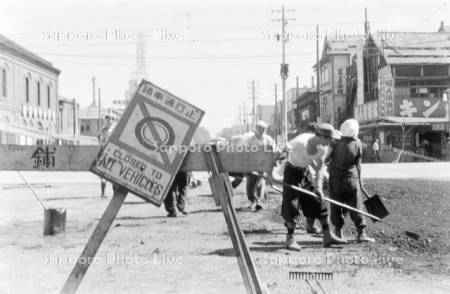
{"x": 221, "y": 188}
{"x": 96, "y": 239}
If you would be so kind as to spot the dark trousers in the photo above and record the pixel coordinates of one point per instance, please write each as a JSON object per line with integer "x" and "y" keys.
{"x": 294, "y": 200}
{"x": 345, "y": 189}
{"x": 176, "y": 198}
{"x": 376, "y": 156}
{"x": 238, "y": 178}
{"x": 256, "y": 185}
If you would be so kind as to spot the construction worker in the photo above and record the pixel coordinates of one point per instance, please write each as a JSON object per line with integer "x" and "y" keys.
{"x": 345, "y": 179}
{"x": 103, "y": 137}
{"x": 305, "y": 149}
{"x": 256, "y": 182}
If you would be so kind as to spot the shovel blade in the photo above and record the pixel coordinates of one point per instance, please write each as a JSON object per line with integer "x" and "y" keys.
{"x": 375, "y": 206}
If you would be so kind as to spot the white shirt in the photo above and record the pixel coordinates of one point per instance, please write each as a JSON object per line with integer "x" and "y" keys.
{"x": 298, "y": 155}
{"x": 249, "y": 139}
{"x": 375, "y": 146}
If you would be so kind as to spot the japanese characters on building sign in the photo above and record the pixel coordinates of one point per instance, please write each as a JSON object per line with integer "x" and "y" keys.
{"x": 386, "y": 93}
{"x": 420, "y": 107}
{"x": 340, "y": 81}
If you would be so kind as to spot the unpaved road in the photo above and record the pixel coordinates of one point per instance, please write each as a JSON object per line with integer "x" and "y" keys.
{"x": 145, "y": 252}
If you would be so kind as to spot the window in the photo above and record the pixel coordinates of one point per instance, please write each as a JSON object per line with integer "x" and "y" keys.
{"x": 408, "y": 71}
{"x": 4, "y": 82}
{"x": 27, "y": 90}
{"x": 435, "y": 70}
{"x": 325, "y": 77}
{"x": 48, "y": 96}
{"x": 39, "y": 93}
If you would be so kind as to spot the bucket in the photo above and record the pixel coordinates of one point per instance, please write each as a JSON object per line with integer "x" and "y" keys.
{"x": 54, "y": 221}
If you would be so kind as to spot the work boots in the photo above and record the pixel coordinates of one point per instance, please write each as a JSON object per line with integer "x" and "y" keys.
{"x": 310, "y": 227}
{"x": 330, "y": 239}
{"x": 362, "y": 237}
{"x": 291, "y": 244}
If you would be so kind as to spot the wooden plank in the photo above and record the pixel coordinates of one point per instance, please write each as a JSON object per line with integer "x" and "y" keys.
{"x": 96, "y": 239}
{"x": 258, "y": 288}
{"x": 79, "y": 158}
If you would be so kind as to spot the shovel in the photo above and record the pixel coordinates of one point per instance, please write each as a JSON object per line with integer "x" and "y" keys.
{"x": 374, "y": 205}
{"x": 410, "y": 234}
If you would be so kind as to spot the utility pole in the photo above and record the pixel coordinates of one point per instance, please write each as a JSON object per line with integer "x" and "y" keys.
{"x": 253, "y": 101}
{"x": 74, "y": 117}
{"x": 284, "y": 67}
{"x": 99, "y": 111}
{"x": 93, "y": 90}
{"x": 296, "y": 97}
{"x": 318, "y": 75}
{"x": 276, "y": 126}
{"x": 245, "y": 119}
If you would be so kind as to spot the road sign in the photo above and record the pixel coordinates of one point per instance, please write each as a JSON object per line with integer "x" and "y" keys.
{"x": 149, "y": 143}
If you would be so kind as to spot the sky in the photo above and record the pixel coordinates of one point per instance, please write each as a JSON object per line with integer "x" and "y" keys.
{"x": 205, "y": 52}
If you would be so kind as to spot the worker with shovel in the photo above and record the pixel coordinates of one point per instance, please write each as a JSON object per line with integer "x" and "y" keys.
{"x": 345, "y": 179}
{"x": 305, "y": 149}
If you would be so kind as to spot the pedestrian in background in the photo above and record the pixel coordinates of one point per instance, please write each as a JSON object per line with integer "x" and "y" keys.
{"x": 103, "y": 137}
{"x": 345, "y": 180}
{"x": 376, "y": 150}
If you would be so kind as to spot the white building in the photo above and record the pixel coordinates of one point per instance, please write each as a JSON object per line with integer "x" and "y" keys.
{"x": 28, "y": 96}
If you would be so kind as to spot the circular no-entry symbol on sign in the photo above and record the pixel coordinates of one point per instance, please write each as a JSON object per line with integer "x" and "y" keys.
{"x": 152, "y": 132}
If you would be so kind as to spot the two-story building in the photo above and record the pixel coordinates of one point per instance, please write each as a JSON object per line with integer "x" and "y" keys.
{"x": 306, "y": 109}
{"x": 337, "y": 55}
{"x": 402, "y": 102}
{"x": 28, "y": 96}
{"x": 292, "y": 96}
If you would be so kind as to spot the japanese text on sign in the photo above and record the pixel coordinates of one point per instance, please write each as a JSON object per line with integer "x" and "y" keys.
{"x": 170, "y": 102}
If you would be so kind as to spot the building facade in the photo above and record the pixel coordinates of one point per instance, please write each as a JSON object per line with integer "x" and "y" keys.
{"x": 28, "y": 98}
{"x": 292, "y": 95}
{"x": 306, "y": 109}
{"x": 68, "y": 119}
{"x": 404, "y": 103}
{"x": 337, "y": 56}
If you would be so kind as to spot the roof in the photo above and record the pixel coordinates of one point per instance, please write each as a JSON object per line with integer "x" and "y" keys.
{"x": 306, "y": 97}
{"x": 19, "y": 51}
{"x": 414, "y": 47}
{"x": 343, "y": 45}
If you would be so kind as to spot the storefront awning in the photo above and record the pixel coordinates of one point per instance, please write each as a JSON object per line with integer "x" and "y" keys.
{"x": 406, "y": 121}
{"x": 416, "y": 120}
